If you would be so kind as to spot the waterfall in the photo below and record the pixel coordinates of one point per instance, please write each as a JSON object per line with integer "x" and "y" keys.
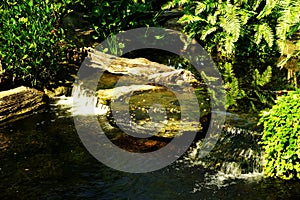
{"x": 82, "y": 102}
{"x": 236, "y": 155}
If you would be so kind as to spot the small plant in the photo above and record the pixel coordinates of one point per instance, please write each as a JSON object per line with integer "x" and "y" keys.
{"x": 112, "y": 46}
{"x": 281, "y": 137}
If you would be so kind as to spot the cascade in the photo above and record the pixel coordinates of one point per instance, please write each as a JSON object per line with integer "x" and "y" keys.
{"x": 82, "y": 102}
{"x": 236, "y": 155}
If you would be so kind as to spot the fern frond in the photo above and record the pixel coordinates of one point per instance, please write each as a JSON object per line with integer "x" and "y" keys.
{"x": 262, "y": 98}
{"x": 229, "y": 44}
{"x": 284, "y": 25}
{"x": 257, "y": 36}
{"x": 289, "y": 19}
{"x": 266, "y": 76}
{"x": 200, "y": 8}
{"x": 263, "y": 79}
{"x": 266, "y": 32}
{"x": 290, "y": 16}
{"x": 172, "y": 4}
{"x": 212, "y": 19}
{"x": 208, "y": 31}
{"x": 228, "y": 71}
{"x": 188, "y": 18}
{"x": 233, "y": 91}
{"x": 231, "y": 23}
{"x": 270, "y": 5}
{"x": 244, "y": 16}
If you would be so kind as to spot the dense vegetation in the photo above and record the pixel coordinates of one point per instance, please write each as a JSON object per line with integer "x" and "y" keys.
{"x": 245, "y": 38}
{"x": 37, "y": 36}
{"x": 32, "y": 43}
{"x": 255, "y": 43}
{"x": 281, "y": 139}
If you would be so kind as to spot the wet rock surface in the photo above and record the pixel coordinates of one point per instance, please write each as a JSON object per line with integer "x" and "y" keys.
{"x": 20, "y": 101}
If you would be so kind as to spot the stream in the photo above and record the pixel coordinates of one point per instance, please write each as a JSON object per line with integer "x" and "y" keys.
{"x": 42, "y": 157}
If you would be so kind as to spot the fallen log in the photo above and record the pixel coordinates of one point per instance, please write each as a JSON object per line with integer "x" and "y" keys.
{"x": 20, "y": 101}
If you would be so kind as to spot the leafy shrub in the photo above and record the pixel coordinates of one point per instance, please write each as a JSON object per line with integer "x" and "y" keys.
{"x": 32, "y": 44}
{"x": 281, "y": 137}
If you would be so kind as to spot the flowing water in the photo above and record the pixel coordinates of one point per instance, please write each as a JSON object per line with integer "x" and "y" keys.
{"x": 42, "y": 157}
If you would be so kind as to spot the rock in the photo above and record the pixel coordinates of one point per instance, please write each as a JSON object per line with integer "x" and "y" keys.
{"x": 59, "y": 91}
{"x": 20, "y": 101}
{"x": 132, "y": 71}
{"x": 105, "y": 96}
{"x": 133, "y": 105}
{"x": 169, "y": 129}
{"x": 138, "y": 89}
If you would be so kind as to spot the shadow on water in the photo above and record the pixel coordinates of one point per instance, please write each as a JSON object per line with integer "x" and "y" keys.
{"x": 42, "y": 158}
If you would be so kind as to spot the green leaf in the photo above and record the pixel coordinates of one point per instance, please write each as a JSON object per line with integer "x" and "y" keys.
{"x": 30, "y": 3}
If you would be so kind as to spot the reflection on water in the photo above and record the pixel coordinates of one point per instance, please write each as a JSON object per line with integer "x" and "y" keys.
{"x": 43, "y": 158}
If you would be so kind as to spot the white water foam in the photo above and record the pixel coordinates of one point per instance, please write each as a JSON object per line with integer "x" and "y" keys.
{"x": 229, "y": 161}
{"x": 82, "y": 102}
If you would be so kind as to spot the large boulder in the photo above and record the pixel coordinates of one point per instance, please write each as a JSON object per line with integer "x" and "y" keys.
{"x": 133, "y": 72}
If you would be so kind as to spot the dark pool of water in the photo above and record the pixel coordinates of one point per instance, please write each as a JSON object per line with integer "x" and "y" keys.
{"x": 42, "y": 158}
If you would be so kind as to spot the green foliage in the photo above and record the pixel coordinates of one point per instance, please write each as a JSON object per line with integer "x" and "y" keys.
{"x": 231, "y": 85}
{"x": 264, "y": 78}
{"x": 114, "y": 47}
{"x": 287, "y": 31}
{"x": 257, "y": 94}
{"x": 239, "y": 31}
{"x": 219, "y": 23}
{"x": 111, "y": 17}
{"x": 32, "y": 45}
{"x": 288, "y": 22}
{"x": 281, "y": 137}
{"x": 266, "y": 32}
